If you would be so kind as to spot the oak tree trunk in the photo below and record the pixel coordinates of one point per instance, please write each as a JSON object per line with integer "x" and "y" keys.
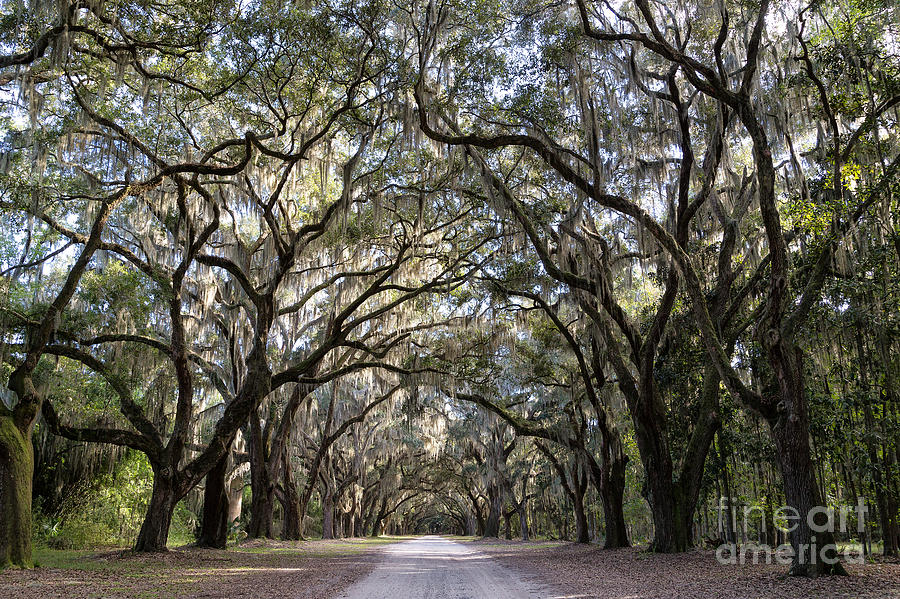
{"x": 155, "y": 529}
{"x": 582, "y": 532}
{"x": 611, "y": 498}
{"x": 214, "y": 521}
{"x": 262, "y": 506}
{"x": 291, "y": 530}
{"x": 648, "y": 416}
{"x": 576, "y": 491}
{"x": 471, "y": 525}
{"x": 668, "y": 535}
{"x": 492, "y": 525}
{"x": 523, "y": 522}
{"x": 790, "y": 430}
{"x": 328, "y": 516}
{"x": 377, "y": 525}
{"x": 16, "y": 468}
{"x": 262, "y": 497}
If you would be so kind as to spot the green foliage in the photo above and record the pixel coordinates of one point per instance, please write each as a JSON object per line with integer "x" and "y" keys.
{"x": 108, "y": 511}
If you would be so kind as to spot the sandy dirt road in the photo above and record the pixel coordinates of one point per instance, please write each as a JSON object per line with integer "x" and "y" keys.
{"x": 437, "y": 568}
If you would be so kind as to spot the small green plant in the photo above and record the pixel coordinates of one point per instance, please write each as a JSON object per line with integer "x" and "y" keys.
{"x": 81, "y": 533}
{"x": 236, "y": 532}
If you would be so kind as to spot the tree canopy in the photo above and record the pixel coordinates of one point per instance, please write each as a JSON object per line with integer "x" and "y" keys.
{"x": 451, "y": 266}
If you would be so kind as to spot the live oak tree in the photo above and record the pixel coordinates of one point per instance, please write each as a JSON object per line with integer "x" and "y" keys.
{"x": 96, "y": 184}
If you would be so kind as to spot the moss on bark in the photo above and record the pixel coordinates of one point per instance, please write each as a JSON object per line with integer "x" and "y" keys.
{"x": 16, "y": 468}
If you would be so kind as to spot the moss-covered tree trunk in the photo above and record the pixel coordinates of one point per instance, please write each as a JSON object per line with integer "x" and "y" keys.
{"x": 262, "y": 505}
{"x": 262, "y": 498}
{"x": 376, "y": 528}
{"x": 16, "y": 468}
{"x": 293, "y": 523}
{"x": 477, "y": 513}
{"x": 471, "y": 525}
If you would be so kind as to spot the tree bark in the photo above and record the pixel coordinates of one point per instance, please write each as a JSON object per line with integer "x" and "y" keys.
{"x": 16, "y": 473}
{"x": 292, "y": 529}
{"x": 262, "y": 506}
{"x": 611, "y": 498}
{"x": 356, "y": 518}
{"x": 378, "y": 516}
{"x": 155, "y": 530}
{"x": 790, "y": 430}
{"x": 669, "y": 535}
{"x": 582, "y": 532}
{"x": 523, "y": 521}
{"x": 578, "y": 490}
{"x": 376, "y": 528}
{"x": 471, "y": 525}
{"x": 608, "y": 478}
{"x": 262, "y": 500}
{"x": 379, "y": 519}
{"x": 328, "y": 515}
{"x": 492, "y": 524}
{"x": 476, "y": 513}
{"x": 346, "y": 525}
{"x": 214, "y": 522}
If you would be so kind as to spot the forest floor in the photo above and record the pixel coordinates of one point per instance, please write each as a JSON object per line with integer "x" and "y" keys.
{"x": 589, "y": 571}
{"x": 293, "y": 570}
{"x": 317, "y": 569}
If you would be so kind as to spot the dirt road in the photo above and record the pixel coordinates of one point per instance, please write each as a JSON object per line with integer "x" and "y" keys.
{"x": 437, "y": 568}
